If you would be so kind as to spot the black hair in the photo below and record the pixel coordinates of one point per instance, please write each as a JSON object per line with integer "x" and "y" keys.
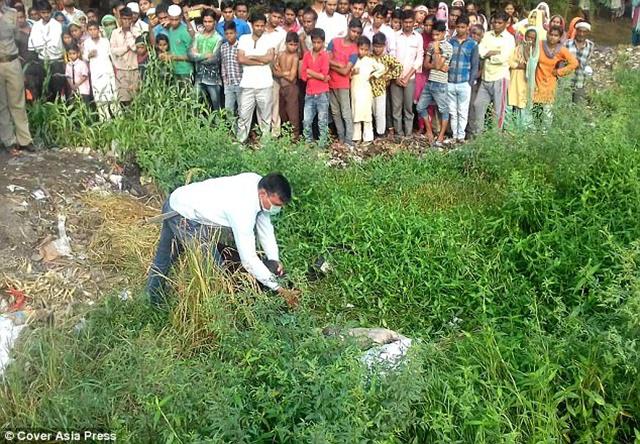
{"x": 379, "y": 39}
{"x": 43, "y": 5}
{"x": 317, "y": 33}
{"x": 257, "y": 17}
{"x": 230, "y": 25}
{"x": 457, "y": 8}
{"x": 380, "y": 10}
{"x": 210, "y": 13}
{"x": 241, "y": 3}
{"x": 431, "y": 4}
{"x": 396, "y": 14}
{"x": 73, "y": 47}
{"x": 126, "y": 12}
{"x": 292, "y": 37}
{"x": 310, "y": 10}
{"x": 226, "y": 5}
{"x": 352, "y": 2}
{"x": 440, "y": 26}
{"x": 93, "y": 23}
{"x": 293, "y": 6}
{"x": 95, "y": 11}
{"x": 162, "y": 7}
{"x": 141, "y": 39}
{"x": 407, "y": 14}
{"x": 463, "y": 19}
{"x": 276, "y": 183}
{"x": 277, "y": 9}
{"x": 363, "y": 41}
{"x": 164, "y": 38}
{"x": 19, "y": 7}
{"x": 501, "y": 15}
{"x": 557, "y": 29}
{"x": 355, "y": 23}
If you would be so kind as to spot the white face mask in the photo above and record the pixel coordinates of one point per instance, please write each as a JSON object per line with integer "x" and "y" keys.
{"x": 274, "y": 209}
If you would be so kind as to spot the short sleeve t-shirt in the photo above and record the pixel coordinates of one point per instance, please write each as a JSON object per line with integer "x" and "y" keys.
{"x": 341, "y": 53}
{"x": 75, "y": 71}
{"x": 446, "y": 51}
{"x": 255, "y": 76}
{"x": 179, "y": 44}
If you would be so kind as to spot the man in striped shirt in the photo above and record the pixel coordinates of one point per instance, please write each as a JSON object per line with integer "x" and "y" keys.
{"x": 581, "y": 48}
{"x": 231, "y": 69}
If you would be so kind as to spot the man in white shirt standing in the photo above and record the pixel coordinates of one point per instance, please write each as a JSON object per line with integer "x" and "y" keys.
{"x": 217, "y": 213}
{"x": 409, "y": 52}
{"x": 46, "y": 40}
{"x": 255, "y": 54}
{"x": 333, "y": 24}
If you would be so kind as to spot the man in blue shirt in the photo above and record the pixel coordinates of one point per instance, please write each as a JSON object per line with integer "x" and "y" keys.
{"x": 463, "y": 70}
{"x": 242, "y": 27}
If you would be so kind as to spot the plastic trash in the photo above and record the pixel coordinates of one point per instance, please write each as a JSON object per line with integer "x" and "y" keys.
{"x": 9, "y": 333}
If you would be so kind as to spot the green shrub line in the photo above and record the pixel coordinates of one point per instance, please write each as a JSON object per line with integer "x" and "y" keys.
{"x": 512, "y": 262}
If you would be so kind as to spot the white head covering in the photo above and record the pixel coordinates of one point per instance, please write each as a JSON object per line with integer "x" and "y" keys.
{"x": 134, "y": 7}
{"x": 583, "y": 25}
{"x": 174, "y": 11}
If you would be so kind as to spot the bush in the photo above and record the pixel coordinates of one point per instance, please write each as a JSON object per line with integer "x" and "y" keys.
{"x": 513, "y": 262}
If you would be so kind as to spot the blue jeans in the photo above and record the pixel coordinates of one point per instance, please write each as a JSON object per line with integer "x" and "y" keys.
{"x": 176, "y": 232}
{"x": 434, "y": 92}
{"x": 316, "y": 105}
{"x": 231, "y": 98}
{"x": 213, "y": 92}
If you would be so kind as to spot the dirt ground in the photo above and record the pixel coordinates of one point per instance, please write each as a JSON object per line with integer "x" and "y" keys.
{"x": 36, "y": 190}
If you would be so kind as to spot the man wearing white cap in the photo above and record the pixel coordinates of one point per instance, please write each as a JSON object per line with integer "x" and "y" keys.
{"x": 581, "y": 48}
{"x": 179, "y": 44}
{"x": 139, "y": 27}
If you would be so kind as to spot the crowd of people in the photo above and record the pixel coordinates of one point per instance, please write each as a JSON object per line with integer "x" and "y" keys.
{"x": 357, "y": 69}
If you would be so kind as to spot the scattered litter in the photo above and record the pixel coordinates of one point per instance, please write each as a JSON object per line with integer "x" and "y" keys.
{"x": 9, "y": 332}
{"x": 80, "y": 325}
{"x": 39, "y": 195}
{"x": 125, "y": 295}
{"x": 349, "y": 306}
{"x": 51, "y": 249}
{"x": 116, "y": 179}
{"x": 14, "y": 188}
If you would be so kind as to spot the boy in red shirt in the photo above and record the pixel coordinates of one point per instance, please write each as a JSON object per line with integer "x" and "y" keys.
{"x": 315, "y": 71}
{"x": 341, "y": 50}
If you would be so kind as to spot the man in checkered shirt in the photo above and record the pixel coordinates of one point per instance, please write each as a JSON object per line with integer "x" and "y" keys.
{"x": 231, "y": 69}
{"x": 581, "y": 48}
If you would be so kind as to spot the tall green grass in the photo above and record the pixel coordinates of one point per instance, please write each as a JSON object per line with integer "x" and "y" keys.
{"x": 514, "y": 262}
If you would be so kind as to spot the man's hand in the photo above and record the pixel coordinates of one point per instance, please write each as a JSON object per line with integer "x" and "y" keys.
{"x": 492, "y": 53}
{"x": 280, "y": 270}
{"x": 291, "y": 296}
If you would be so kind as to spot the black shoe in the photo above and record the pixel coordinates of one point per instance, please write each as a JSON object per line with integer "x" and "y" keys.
{"x": 29, "y": 148}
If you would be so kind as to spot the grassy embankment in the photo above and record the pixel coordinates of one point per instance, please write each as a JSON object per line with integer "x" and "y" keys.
{"x": 513, "y": 261}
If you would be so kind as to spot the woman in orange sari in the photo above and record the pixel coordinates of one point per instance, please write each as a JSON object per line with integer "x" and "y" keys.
{"x": 555, "y": 61}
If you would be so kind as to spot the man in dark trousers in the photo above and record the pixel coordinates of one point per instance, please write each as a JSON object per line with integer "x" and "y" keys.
{"x": 233, "y": 207}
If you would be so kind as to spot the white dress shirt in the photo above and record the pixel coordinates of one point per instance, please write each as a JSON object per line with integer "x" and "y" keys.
{"x": 233, "y": 202}
{"x": 334, "y": 26}
{"x": 46, "y": 39}
{"x": 409, "y": 52}
{"x": 389, "y": 33}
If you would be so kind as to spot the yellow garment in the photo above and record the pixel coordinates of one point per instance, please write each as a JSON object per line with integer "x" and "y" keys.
{"x": 535, "y": 20}
{"x": 361, "y": 92}
{"x": 518, "y": 84}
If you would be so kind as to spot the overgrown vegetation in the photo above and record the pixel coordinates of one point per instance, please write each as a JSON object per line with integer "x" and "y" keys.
{"x": 514, "y": 262}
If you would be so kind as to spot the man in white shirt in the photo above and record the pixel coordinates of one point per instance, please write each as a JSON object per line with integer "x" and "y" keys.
{"x": 276, "y": 35}
{"x": 333, "y": 24}
{"x": 409, "y": 52}
{"x": 215, "y": 214}
{"x": 378, "y": 25}
{"x": 255, "y": 55}
{"x": 45, "y": 40}
{"x": 138, "y": 27}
